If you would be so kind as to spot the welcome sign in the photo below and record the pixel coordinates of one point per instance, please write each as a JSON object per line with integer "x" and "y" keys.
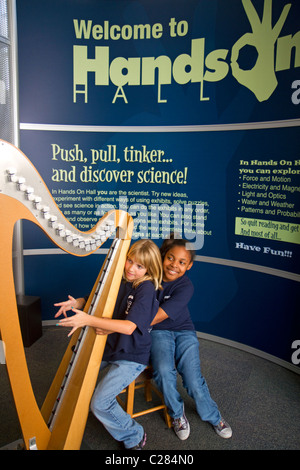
{"x": 198, "y": 66}
{"x": 140, "y": 65}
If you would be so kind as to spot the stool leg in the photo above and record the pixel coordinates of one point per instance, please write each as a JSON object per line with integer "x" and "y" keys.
{"x": 130, "y": 398}
{"x": 167, "y": 418}
{"x": 148, "y": 394}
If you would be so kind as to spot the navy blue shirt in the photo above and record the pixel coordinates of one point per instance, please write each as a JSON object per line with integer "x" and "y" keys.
{"x": 174, "y": 299}
{"x": 138, "y": 305}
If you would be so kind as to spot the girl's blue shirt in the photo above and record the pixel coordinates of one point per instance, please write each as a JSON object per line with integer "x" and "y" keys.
{"x": 138, "y": 305}
{"x": 174, "y": 299}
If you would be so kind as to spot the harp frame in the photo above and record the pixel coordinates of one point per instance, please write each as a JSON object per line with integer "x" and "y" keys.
{"x": 17, "y": 204}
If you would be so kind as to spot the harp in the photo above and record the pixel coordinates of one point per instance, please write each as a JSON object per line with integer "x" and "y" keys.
{"x": 61, "y": 421}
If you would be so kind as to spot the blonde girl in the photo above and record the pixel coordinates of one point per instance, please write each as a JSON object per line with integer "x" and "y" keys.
{"x": 127, "y": 349}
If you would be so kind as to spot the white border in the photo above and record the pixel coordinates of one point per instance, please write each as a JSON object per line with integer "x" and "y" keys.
{"x": 201, "y": 259}
{"x": 201, "y": 128}
{"x": 250, "y": 350}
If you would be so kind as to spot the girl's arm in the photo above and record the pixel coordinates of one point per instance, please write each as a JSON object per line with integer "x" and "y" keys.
{"x": 81, "y": 319}
{"x": 159, "y": 317}
{"x": 100, "y": 331}
{"x": 178, "y": 301}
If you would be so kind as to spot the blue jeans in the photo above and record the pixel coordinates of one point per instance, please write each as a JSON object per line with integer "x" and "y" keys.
{"x": 174, "y": 351}
{"x": 105, "y": 407}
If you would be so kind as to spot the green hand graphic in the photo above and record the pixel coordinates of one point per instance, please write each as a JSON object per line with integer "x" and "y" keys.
{"x": 261, "y": 79}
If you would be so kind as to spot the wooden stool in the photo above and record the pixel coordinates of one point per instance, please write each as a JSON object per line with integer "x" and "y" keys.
{"x": 143, "y": 381}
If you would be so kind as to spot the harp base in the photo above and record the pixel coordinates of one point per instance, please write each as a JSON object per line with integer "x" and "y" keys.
{"x": 16, "y": 445}
{"x": 19, "y": 445}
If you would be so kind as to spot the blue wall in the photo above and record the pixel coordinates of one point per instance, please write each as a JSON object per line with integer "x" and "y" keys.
{"x": 224, "y": 121}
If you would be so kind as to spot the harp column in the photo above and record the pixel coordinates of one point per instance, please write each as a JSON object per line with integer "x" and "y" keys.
{"x": 10, "y": 122}
{"x": 13, "y": 100}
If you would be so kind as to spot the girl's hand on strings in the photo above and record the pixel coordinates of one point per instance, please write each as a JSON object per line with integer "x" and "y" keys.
{"x": 79, "y": 320}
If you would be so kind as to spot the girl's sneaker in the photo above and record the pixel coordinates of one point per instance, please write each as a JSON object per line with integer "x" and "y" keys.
{"x": 141, "y": 444}
{"x": 181, "y": 427}
{"x": 223, "y": 429}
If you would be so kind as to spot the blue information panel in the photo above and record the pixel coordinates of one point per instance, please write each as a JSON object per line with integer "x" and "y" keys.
{"x": 186, "y": 115}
